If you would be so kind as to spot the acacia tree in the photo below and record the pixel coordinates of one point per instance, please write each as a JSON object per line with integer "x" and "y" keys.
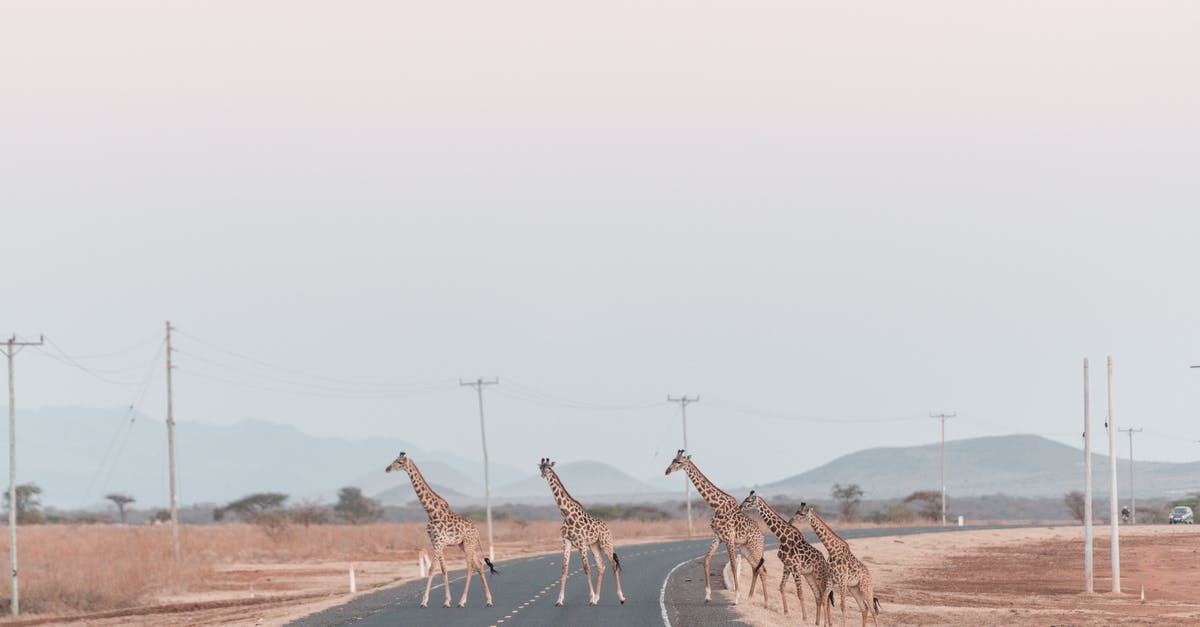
{"x": 355, "y": 508}
{"x": 120, "y": 500}
{"x": 28, "y": 504}
{"x": 848, "y": 498}
{"x": 927, "y": 503}
{"x": 251, "y": 506}
{"x": 1075, "y": 502}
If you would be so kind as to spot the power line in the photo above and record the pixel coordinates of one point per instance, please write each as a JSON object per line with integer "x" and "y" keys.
{"x": 348, "y": 395}
{"x": 479, "y": 384}
{"x": 684, "y": 401}
{"x": 14, "y": 347}
{"x": 943, "y": 416}
{"x": 741, "y": 409}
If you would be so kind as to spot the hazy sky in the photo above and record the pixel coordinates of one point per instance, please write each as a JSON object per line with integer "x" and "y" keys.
{"x": 844, "y": 211}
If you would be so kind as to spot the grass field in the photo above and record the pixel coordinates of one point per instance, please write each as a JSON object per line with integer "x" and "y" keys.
{"x": 68, "y": 569}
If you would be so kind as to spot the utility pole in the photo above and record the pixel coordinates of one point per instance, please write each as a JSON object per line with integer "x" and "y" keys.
{"x": 1087, "y": 483}
{"x": 942, "y": 417}
{"x": 1111, "y": 425}
{"x": 1132, "y": 498}
{"x": 171, "y": 452}
{"x": 684, "y": 401}
{"x": 479, "y": 384}
{"x": 12, "y": 348}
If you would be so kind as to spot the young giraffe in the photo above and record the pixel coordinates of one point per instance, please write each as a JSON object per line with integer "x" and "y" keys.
{"x": 849, "y": 573}
{"x": 730, "y": 526}
{"x": 446, "y": 528}
{"x": 800, "y": 559}
{"x": 582, "y": 531}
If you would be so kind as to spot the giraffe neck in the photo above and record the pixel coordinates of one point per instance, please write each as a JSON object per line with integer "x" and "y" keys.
{"x": 829, "y": 538}
{"x": 776, "y": 523}
{"x": 716, "y": 498}
{"x": 433, "y": 504}
{"x": 566, "y": 503}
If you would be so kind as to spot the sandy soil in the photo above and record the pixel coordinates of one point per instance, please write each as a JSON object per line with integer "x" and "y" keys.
{"x": 1013, "y": 577}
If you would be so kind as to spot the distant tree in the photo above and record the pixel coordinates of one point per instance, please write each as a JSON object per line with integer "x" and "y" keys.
{"x": 251, "y": 506}
{"x": 161, "y": 516}
{"x": 898, "y": 513}
{"x": 848, "y": 498}
{"x": 926, "y": 503}
{"x": 1074, "y": 502}
{"x": 355, "y": 508}
{"x": 28, "y": 504}
{"x": 309, "y": 513}
{"x": 120, "y": 500}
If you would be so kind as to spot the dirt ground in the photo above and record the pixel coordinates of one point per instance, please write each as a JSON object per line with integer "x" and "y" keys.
{"x": 1013, "y": 577}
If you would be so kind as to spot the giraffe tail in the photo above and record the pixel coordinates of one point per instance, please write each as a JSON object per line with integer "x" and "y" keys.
{"x": 616, "y": 562}
{"x": 491, "y": 566}
{"x": 831, "y": 601}
{"x": 761, "y": 561}
{"x": 874, "y": 600}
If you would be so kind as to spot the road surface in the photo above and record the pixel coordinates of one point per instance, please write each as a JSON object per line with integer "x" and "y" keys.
{"x": 663, "y": 584}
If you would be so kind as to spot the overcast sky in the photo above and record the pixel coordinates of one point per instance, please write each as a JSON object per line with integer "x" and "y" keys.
{"x": 856, "y": 212}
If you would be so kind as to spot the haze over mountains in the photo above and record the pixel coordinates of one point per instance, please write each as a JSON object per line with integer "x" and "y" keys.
{"x": 217, "y": 463}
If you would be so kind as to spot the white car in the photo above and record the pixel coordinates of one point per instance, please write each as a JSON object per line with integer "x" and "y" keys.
{"x": 1182, "y": 515}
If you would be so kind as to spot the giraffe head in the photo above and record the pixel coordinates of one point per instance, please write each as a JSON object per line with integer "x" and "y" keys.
{"x": 547, "y": 468}
{"x": 751, "y": 502}
{"x": 801, "y": 515}
{"x": 681, "y": 460}
{"x": 401, "y": 463}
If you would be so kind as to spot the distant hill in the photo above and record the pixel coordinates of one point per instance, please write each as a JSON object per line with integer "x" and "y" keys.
{"x": 582, "y": 478}
{"x": 1019, "y": 465}
{"x": 106, "y": 452}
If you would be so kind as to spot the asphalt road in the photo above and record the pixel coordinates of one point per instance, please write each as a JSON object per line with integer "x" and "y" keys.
{"x": 663, "y": 584}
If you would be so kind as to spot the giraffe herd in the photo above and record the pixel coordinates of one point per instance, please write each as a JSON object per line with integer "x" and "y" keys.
{"x": 583, "y": 532}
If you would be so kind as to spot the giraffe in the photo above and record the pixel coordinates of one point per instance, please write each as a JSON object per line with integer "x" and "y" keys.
{"x": 446, "y": 528}
{"x": 730, "y": 526}
{"x": 800, "y": 559}
{"x": 850, "y": 575}
{"x": 582, "y": 531}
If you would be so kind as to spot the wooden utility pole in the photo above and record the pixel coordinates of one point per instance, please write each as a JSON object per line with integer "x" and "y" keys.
{"x": 684, "y": 401}
{"x": 171, "y": 453}
{"x": 1087, "y": 483}
{"x": 1132, "y": 498}
{"x": 942, "y": 417}
{"x": 1111, "y": 425}
{"x": 479, "y": 384}
{"x": 11, "y": 350}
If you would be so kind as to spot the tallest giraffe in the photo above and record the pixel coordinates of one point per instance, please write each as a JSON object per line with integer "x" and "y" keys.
{"x": 730, "y": 526}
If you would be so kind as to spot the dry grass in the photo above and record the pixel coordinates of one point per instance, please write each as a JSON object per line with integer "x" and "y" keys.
{"x": 87, "y": 568}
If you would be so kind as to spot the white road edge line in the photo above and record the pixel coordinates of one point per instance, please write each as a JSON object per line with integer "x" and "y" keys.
{"x": 662, "y": 592}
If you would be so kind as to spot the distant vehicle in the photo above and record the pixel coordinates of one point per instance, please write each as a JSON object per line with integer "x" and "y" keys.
{"x": 1182, "y": 515}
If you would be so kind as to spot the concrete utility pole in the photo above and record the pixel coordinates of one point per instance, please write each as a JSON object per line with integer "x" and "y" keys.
{"x": 943, "y": 416}
{"x": 12, "y": 348}
{"x": 684, "y": 401}
{"x": 1132, "y": 498}
{"x": 1111, "y": 425}
{"x": 1087, "y": 483}
{"x": 171, "y": 452}
{"x": 479, "y": 384}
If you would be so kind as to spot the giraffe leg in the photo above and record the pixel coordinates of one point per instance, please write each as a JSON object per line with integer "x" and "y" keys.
{"x": 470, "y": 571}
{"x": 863, "y": 604}
{"x": 487, "y": 590}
{"x": 607, "y": 547}
{"x": 587, "y": 574}
{"x": 445, "y": 577}
{"x": 842, "y": 592}
{"x": 815, "y": 586}
{"x": 868, "y": 596}
{"x": 562, "y": 589}
{"x": 783, "y": 579}
{"x": 758, "y": 572}
{"x": 708, "y": 558}
{"x": 734, "y": 566}
{"x": 599, "y": 568}
{"x": 437, "y": 559}
{"x": 798, "y": 578}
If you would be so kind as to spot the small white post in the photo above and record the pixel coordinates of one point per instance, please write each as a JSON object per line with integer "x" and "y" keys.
{"x": 960, "y": 521}
{"x": 424, "y": 563}
{"x": 353, "y": 584}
